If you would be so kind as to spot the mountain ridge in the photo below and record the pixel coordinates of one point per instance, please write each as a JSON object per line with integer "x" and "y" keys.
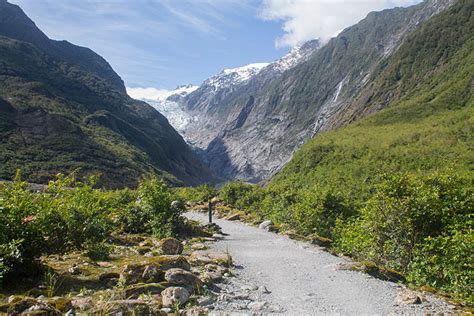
{"x": 64, "y": 108}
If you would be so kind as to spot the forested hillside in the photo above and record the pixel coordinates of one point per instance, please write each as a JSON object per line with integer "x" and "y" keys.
{"x": 395, "y": 188}
{"x": 62, "y": 107}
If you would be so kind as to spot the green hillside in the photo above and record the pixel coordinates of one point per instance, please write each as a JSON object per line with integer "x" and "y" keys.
{"x": 395, "y": 188}
{"x": 62, "y": 107}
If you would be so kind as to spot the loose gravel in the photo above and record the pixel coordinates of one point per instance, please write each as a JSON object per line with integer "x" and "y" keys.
{"x": 303, "y": 279}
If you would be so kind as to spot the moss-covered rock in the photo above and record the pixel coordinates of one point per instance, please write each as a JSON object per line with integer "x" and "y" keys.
{"x": 134, "y": 291}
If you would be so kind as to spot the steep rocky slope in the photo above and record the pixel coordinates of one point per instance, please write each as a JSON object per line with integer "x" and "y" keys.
{"x": 212, "y": 104}
{"x": 62, "y": 107}
{"x": 263, "y": 122}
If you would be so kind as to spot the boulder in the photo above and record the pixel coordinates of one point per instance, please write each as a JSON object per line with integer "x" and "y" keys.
{"x": 134, "y": 291}
{"x": 265, "y": 224}
{"x": 82, "y": 303}
{"x": 173, "y": 295}
{"x": 273, "y": 229}
{"x": 171, "y": 246}
{"x": 171, "y": 261}
{"x": 178, "y": 205}
{"x": 27, "y": 305}
{"x": 151, "y": 274}
{"x": 233, "y": 217}
{"x": 62, "y": 304}
{"x": 198, "y": 246}
{"x": 408, "y": 297}
{"x": 140, "y": 273}
{"x": 212, "y": 273}
{"x": 203, "y": 257}
{"x": 183, "y": 278}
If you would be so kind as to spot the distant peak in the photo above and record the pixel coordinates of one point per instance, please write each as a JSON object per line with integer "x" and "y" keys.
{"x": 249, "y": 67}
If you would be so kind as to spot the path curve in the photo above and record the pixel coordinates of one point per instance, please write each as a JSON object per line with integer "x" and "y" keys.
{"x": 303, "y": 278}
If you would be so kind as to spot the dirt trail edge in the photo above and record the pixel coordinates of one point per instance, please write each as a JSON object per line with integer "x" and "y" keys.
{"x": 304, "y": 280}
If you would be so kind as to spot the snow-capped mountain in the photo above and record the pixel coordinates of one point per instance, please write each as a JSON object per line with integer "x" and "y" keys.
{"x": 234, "y": 76}
{"x": 296, "y": 55}
{"x": 167, "y": 103}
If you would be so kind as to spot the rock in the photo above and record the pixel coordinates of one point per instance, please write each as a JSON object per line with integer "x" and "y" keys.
{"x": 74, "y": 270}
{"x": 174, "y": 294}
{"x": 148, "y": 243}
{"x": 171, "y": 261}
{"x": 183, "y": 278}
{"x": 273, "y": 229}
{"x": 218, "y": 236}
{"x": 151, "y": 274}
{"x": 408, "y": 297}
{"x": 27, "y": 304}
{"x": 265, "y": 224}
{"x": 233, "y": 217}
{"x": 152, "y": 270}
{"x": 202, "y": 257}
{"x": 205, "y": 301}
{"x": 61, "y": 304}
{"x": 139, "y": 273}
{"x": 178, "y": 206}
{"x": 132, "y": 273}
{"x": 104, "y": 264}
{"x": 257, "y": 306}
{"x": 171, "y": 246}
{"x": 198, "y": 246}
{"x": 14, "y": 298}
{"x": 82, "y": 303}
{"x": 137, "y": 289}
{"x": 108, "y": 275}
{"x": 212, "y": 274}
{"x": 143, "y": 250}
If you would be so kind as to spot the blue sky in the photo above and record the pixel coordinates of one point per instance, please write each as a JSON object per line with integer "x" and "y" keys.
{"x": 165, "y": 43}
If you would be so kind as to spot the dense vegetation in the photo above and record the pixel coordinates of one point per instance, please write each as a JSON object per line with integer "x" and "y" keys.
{"x": 62, "y": 107}
{"x": 397, "y": 187}
{"x": 69, "y": 215}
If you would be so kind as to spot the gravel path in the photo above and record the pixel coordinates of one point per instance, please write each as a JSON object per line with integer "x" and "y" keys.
{"x": 303, "y": 279}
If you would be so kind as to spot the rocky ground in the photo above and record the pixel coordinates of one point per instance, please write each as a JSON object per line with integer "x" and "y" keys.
{"x": 275, "y": 274}
{"x": 143, "y": 276}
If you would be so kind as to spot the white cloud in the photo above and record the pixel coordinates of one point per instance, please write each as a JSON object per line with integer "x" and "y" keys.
{"x": 158, "y": 94}
{"x": 303, "y": 20}
{"x": 148, "y": 93}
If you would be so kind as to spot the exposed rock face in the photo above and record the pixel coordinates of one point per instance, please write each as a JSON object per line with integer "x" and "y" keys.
{"x": 251, "y": 129}
{"x": 212, "y": 105}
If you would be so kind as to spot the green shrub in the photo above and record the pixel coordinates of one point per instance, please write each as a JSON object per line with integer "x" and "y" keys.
{"x": 97, "y": 251}
{"x": 151, "y": 212}
{"x": 197, "y": 194}
{"x": 446, "y": 262}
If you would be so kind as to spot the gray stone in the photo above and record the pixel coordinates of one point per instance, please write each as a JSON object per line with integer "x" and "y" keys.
{"x": 171, "y": 246}
{"x": 173, "y": 295}
{"x": 265, "y": 224}
{"x": 184, "y": 278}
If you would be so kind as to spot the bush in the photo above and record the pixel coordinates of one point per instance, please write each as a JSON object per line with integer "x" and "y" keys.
{"x": 445, "y": 262}
{"x": 151, "y": 212}
{"x": 97, "y": 251}
{"x": 197, "y": 194}
{"x": 419, "y": 225}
